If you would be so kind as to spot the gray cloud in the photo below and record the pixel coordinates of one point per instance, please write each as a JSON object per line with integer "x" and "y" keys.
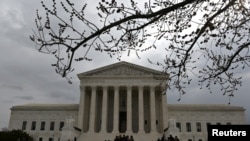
{"x": 27, "y": 76}
{"x": 11, "y": 86}
{"x": 24, "y": 97}
{"x": 64, "y": 96}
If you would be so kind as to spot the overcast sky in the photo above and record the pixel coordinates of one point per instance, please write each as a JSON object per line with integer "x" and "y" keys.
{"x": 26, "y": 75}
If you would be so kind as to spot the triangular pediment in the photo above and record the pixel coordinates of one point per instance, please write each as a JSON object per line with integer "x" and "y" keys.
{"x": 121, "y": 69}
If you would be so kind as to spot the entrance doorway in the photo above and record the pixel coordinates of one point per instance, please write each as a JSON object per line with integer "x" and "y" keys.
{"x": 122, "y": 122}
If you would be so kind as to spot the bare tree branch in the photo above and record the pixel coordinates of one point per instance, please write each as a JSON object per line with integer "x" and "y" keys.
{"x": 205, "y": 39}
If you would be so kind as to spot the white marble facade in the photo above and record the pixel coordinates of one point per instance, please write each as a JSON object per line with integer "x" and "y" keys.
{"x": 122, "y": 99}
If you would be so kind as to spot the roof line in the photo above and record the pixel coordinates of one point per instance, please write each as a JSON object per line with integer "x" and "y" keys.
{"x": 117, "y": 64}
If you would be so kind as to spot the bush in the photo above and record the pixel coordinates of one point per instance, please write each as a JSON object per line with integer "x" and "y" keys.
{"x": 15, "y": 135}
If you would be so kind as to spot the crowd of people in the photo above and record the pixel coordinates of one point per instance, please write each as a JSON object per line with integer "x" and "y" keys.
{"x": 131, "y": 138}
{"x": 123, "y": 138}
{"x": 170, "y": 138}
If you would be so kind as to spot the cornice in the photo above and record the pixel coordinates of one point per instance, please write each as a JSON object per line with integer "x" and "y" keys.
{"x": 203, "y": 107}
{"x": 123, "y": 69}
{"x": 46, "y": 107}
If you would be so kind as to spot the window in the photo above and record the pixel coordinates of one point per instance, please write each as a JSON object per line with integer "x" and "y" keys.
{"x": 200, "y": 140}
{"x": 42, "y": 125}
{"x": 178, "y": 125}
{"x": 188, "y": 125}
{"x": 40, "y": 139}
{"x": 50, "y": 139}
{"x": 208, "y": 123}
{"x": 24, "y": 125}
{"x": 61, "y": 125}
{"x": 189, "y": 139}
{"x": 33, "y": 125}
{"x": 228, "y": 123}
{"x": 218, "y": 123}
{"x": 52, "y": 126}
{"x": 198, "y": 126}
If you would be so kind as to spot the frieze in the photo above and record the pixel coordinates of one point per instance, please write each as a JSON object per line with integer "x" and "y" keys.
{"x": 125, "y": 81}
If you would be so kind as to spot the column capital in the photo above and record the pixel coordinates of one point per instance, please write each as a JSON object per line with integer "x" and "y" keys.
{"x": 115, "y": 86}
{"x": 82, "y": 86}
{"x": 129, "y": 86}
{"x": 105, "y": 86}
{"x": 140, "y": 86}
{"x": 152, "y": 86}
{"x": 93, "y": 86}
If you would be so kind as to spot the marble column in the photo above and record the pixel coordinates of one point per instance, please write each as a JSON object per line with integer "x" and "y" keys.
{"x": 81, "y": 108}
{"x": 116, "y": 110}
{"x": 141, "y": 110}
{"x": 129, "y": 109}
{"x": 92, "y": 109}
{"x": 152, "y": 109}
{"x": 164, "y": 107}
{"x": 104, "y": 109}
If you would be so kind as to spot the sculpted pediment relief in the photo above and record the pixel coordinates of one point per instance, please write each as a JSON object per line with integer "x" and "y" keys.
{"x": 122, "y": 69}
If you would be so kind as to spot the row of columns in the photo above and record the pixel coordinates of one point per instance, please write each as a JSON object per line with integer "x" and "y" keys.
{"x": 141, "y": 120}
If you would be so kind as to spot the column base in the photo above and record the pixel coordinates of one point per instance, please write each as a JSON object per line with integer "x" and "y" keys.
{"x": 141, "y": 131}
{"x": 115, "y": 132}
{"x": 153, "y": 131}
{"x": 129, "y": 132}
{"x": 103, "y": 131}
{"x": 91, "y": 131}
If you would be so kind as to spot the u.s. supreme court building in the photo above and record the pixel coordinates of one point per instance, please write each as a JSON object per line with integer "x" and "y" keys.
{"x": 122, "y": 99}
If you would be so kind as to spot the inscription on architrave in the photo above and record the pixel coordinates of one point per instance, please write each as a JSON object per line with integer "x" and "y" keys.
{"x": 123, "y": 70}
